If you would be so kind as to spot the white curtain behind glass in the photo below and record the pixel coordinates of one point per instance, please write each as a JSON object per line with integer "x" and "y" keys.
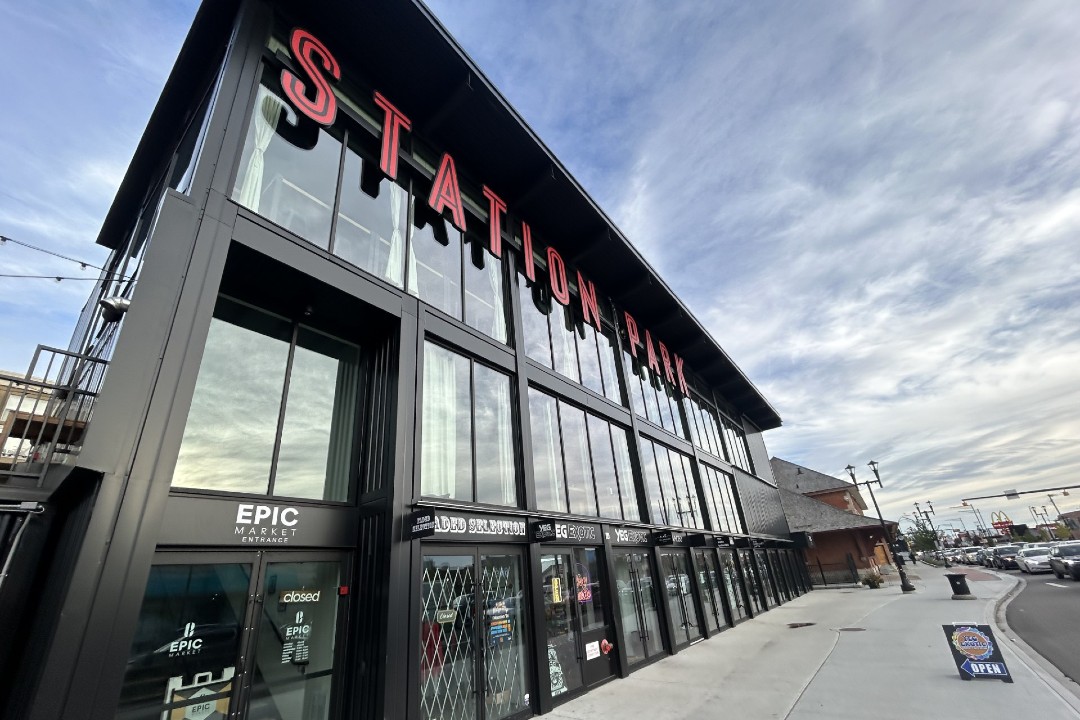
{"x": 268, "y": 109}
{"x": 438, "y": 468}
{"x": 506, "y": 446}
{"x": 394, "y": 270}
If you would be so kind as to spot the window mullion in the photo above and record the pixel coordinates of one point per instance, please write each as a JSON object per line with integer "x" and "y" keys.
{"x": 472, "y": 424}
{"x": 281, "y": 411}
{"x": 338, "y": 192}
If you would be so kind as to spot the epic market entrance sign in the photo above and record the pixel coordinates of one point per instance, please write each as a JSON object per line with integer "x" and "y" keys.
{"x": 976, "y": 653}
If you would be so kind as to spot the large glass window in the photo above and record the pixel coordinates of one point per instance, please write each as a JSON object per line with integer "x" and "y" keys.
{"x": 435, "y": 260}
{"x": 735, "y": 438}
{"x": 371, "y": 223}
{"x": 581, "y": 463}
{"x": 557, "y": 338}
{"x": 719, "y": 494}
{"x": 274, "y": 409}
{"x": 467, "y": 452}
{"x": 669, "y": 486}
{"x": 289, "y": 166}
{"x": 704, "y": 425}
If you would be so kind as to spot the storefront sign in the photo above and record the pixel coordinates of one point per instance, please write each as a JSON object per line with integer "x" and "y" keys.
{"x": 632, "y": 536}
{"x": 663, "y": 537}
{"x": 976, "y": 653}
{"x": 592, "y": 650}
{"x": 444, "y": 617}
{"x": 699, "y": 540}
{"x": 463, "y": 526}
{"x": 722, "y": 541}
{"x": 204, "y": 521}
{"x": 542, "y": 531}
{"x": 311, "y": 93}
{"x": 421, "y": 524}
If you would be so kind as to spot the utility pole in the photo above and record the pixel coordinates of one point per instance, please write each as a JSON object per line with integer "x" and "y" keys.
{"x": 905, "y": 584}
{"x": 926, "y": 516}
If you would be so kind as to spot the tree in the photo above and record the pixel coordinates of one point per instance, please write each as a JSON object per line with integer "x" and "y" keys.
{"x": 922, "y": 537}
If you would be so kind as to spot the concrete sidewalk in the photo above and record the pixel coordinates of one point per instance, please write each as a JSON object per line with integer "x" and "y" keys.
{"x": 869, "y": 654}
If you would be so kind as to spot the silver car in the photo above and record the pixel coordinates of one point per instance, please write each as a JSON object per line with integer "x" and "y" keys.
{"x": 1034, "y": 560}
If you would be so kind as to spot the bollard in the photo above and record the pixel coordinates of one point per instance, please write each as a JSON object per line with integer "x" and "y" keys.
{"x": 959, "y": 586}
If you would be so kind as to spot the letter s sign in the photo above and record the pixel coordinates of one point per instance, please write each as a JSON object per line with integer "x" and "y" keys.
{"x": 308, "y": 51}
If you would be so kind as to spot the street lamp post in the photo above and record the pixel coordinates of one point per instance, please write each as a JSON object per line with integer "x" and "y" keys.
{"x": 926, "y": 516}
{"x": 905, "y": 584}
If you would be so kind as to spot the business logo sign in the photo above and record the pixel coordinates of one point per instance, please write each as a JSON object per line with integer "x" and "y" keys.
{"x": 421, "y": 524}
{"x": 465, "y": 527}
{"x": 975, "y": 652}
{"x": 311, "y": 92}
{"x": 266, "y": 524}
{"x": 1000, "y": 521}
{"x": 186, "y": 644}
{"x": 631, "y": 536}
{"x": 542, "y": 531}
{"x": 299, "y": 596}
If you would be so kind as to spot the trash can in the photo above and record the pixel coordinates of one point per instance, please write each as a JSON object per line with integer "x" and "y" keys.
{"x": 959, "y": 586}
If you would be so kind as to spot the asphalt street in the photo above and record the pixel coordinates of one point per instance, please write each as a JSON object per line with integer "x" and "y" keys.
{"x": 1044, "y": 615}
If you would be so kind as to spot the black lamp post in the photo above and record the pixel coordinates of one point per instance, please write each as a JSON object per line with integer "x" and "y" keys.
{"x": 905, "y": 584}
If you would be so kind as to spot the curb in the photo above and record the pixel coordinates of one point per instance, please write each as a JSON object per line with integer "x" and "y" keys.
{"x": 1063, "y": 686}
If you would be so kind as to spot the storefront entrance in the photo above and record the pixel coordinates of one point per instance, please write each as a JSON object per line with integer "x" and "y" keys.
{"x": 752, "y": 579}
{"x": 710, "y": 585}
{"x": 251, "y": 636}
{"x": 678, "y": 579}
{"x": 474, "y": 625}
{"x": 638, "y": 606}
{"x": 733, "y": 586}
{"x": 578, "y": 620}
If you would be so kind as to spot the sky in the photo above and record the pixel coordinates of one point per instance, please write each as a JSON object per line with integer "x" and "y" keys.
{"x": 878, "y": 203}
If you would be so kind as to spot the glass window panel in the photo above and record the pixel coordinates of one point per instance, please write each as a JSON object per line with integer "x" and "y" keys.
{"x": 315, "y": 458}
{"x": 289, "y": 167}
{"x": 609, "y": 354}
{"x": 496, "y": 469}
{"x": 446, "y": 447}
{"x": 186, "y": 607}
{"x": 657, "y": 510}
{"x": 563, "y": 342}
{"x": 692, "y": 421}
{"x": 228, "y": 441}
{"x": 677, "y": 421}
{"x": 652, "y": 405}
{"x": 627, "y": 488}
{"x": 579, "y": 479}
{"x": 485, "y": 306}
{"x": 547, "y": 452}
{"x": 434, "y": 263}
{"x": 372, "y": 219}
{"x": 637, "y": 398}
{"x": 294, "y": 654}
{"x": 535, "y": 308}
{"x": 674, "y": 502}
{"x": 691, "y": 491}
{"x": 506, "y": 636}
{"x": 560, "y": 620}
{"x": 666, "y": 420}
{"x": 603, "y": 462}
{"x": 591, "y": 375}
{"x": 590, "y": 594}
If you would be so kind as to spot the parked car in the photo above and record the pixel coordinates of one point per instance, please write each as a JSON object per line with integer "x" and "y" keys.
{"x": 1033, "y": 560}
{"x": 969, "y": 553}
{"x": 1005, "y": 557}
{"x": 1065, "y": 560}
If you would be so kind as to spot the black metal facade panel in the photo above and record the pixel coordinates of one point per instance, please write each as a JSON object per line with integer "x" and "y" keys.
{"x": 761, "y": 505}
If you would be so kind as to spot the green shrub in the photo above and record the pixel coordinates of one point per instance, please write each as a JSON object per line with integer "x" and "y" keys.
{"x": 872, "y": 580}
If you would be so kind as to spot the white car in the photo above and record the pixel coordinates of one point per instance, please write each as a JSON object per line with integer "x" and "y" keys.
{"x": 1034, "y": 560}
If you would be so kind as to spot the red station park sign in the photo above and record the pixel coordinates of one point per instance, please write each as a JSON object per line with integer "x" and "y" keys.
{"x": 313, "y": 95}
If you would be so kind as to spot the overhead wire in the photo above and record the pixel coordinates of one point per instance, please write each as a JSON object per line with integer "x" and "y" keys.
{"x": 81, "y": 263}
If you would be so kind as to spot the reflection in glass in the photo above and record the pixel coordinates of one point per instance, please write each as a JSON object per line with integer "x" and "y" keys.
{"x": 634, "y": 371}
{"x": 434, "y": 266}
{"x": 371, "y": 230}
{"x": 289, "y": 167}
{"x": 650, "y": 454}
{"x": 447, "y": 638}
{"x": 750, "y": 577}
{"x": 579, "y": 479}
{"x": 294, "y": 652}
{"x": 592, "y": 604}
{"x": 314, "y": 459}
{"x": 591, "y": 375}
{"x": 627, "y": 488}
{"x": 185, "y": 605}
{"x": 505, "y": 635}
{"x": 547, "y": 452}
{"x": 608, "y": 359}
{"x": 485, "y": 308}
{"x": 535, "y": 302}
{"x": 564, "y": 342}
{"x": 637, "y": 606}
{"x": 496, "y": 471}
{"x": 680, "y": 598}
{"x": 765, "y": 578}
{"x": 228, "y": 441}
{"x": 603, "y": 464}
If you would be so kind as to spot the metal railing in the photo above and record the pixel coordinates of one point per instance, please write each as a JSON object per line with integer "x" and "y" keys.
{"x": 845, "y": 573}
{"x": 44, "y": 414}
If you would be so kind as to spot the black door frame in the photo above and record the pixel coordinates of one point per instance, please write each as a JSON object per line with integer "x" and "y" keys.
{"x": 675, "y": 646}
{"x": 725, "y": 617}
{"x": 739, "y": 583}
{"x": 650, "y": 560}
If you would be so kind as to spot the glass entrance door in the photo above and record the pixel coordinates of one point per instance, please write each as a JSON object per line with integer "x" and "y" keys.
{"x": 675, "y": 567}
{"x": 710, "y": 587}
{"x": 204, "y": 615}
{"x": 577, "y": 620}
{"x": 751, "y": 577}
{"x": 638, "y": 606}
{"x": 733, "y": 586}
{"x": 474, "y": 624}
